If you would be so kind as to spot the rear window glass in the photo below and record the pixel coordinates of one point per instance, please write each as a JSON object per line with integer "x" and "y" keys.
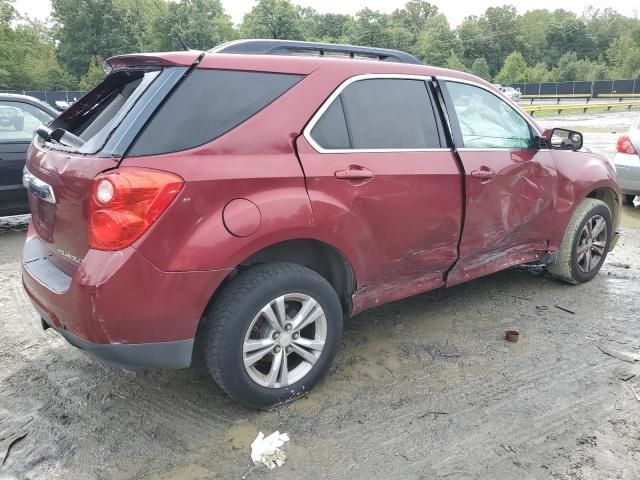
{"x": 98, "y": 113}
{"x": 379, "y": 114}
{"x": 208, "y": 104}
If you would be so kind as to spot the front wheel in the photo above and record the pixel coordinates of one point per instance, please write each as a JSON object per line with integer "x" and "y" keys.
{"x": 272, "y": 334}
{"x": 585, "y": 244}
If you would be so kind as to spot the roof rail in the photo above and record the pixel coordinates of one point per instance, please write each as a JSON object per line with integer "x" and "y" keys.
{"x": 291, "y": 47}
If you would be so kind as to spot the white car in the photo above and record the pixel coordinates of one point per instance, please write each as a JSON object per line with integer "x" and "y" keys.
{"x": 627, "y": 162}
{"x": 512, "y": 93}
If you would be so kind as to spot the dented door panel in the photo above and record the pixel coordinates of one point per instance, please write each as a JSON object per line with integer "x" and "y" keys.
{"x": 508, "y": 217}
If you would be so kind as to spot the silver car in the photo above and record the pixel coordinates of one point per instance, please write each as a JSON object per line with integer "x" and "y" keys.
{"x": 627, "y": 162}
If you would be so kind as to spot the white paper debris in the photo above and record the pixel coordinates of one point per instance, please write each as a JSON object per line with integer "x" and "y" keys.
{"x": 636, "y": 201}
{"x": 265, "y": 450}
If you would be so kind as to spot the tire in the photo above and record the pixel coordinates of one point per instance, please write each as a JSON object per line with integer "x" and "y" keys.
{"x": 571, "y": 265}
{"x": 234, "y": 324}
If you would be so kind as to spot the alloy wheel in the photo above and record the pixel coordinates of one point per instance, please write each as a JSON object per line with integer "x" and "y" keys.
{"x": 284, "y": 340}
{"x": 592, "y": 244}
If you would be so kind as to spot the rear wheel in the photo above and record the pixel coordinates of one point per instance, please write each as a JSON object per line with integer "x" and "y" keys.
{"x": 272, "y": 334}
{"x": 585, "y": 244}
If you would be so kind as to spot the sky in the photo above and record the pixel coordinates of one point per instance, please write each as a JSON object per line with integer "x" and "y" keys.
{"x": 455, "y": 10}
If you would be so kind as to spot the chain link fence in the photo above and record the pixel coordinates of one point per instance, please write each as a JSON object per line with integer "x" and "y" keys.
{"x": 594, "y": 88}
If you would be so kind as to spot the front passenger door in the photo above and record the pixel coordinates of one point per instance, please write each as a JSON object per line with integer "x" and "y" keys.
{"x": 510, "y": 182}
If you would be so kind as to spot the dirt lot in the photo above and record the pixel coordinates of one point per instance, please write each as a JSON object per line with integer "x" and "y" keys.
{"x": 423, "y": 388}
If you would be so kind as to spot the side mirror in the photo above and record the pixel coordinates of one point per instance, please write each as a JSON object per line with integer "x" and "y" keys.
{"x": 563, "y": 139}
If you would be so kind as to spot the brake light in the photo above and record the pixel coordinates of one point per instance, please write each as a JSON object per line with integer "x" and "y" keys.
{"x": 624, "y": 145}
{"x": 124, "y": 203}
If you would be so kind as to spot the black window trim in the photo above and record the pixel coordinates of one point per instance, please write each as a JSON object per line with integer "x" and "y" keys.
{"x": 455, "y": 127}
{"x": 426, "y": 79}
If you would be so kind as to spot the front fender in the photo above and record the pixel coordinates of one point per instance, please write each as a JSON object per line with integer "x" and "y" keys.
{"x": 579, "y": 175}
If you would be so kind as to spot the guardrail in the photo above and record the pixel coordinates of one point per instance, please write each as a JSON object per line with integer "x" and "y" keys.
{"x": 577, "y": 106}
{"x": 588, "y": 97}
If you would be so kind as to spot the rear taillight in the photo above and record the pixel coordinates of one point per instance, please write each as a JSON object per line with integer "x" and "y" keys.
{"x": 124, "y": 203}
{"x": 624, "y": 145}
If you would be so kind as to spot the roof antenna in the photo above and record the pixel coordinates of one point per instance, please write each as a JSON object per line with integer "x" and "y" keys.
{"x": 173, "y": 30}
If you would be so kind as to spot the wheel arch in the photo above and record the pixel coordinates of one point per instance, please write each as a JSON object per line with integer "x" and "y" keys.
{"x": 319, "y": 256}
{"x": 611, "y": 198}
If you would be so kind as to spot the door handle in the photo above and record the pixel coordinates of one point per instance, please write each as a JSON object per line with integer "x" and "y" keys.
{"x": 484, "y": 173}
{"x": 354, "y": 172}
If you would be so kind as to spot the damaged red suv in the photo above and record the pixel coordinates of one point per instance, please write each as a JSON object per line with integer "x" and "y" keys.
{"x": 248, "y": 199}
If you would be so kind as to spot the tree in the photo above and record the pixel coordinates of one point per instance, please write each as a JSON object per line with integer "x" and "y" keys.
{"x": 84, "y": 28}
{"x": 414, "y": 16}
{"x": 94, "y": 75}
{"x": 500, "y": 27}
{"x": 480, "y": 67}
{"x": 538, "y": 73}
{"x": 7, "y": 12}
{"x": 568, "y": 35}
{"x": 202, "y": 24}
{"x": 624, "y": 55}
{"x": 438, "y": 42}
{"x": 454, "y": 63}
{"x": 604, "y": 27}
{"x": 533, "y": 35}
{"x": 514, "y": 70}
{"x": 370, "y": 28}
{"x": 332, "y": 26}
{"x": 278, "y": 19}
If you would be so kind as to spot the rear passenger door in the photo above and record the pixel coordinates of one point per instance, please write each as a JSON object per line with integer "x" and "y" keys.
{"x": 383, "y": 182}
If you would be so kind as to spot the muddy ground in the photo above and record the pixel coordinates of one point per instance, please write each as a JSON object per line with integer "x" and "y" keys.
{"x": 422, "y": 388}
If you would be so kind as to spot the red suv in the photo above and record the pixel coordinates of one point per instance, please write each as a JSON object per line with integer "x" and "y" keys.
{"x": 248, "y": 199}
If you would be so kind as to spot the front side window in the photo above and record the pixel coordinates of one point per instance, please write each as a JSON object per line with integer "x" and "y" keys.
{"x": 486, "y": 121}
{"x": 378, "y": 114}
{"x": 18, "y": 121}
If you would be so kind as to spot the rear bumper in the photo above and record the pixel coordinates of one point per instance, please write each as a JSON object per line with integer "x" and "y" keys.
{"x": 176, "y": 354}
{"x": 118, "y": 307}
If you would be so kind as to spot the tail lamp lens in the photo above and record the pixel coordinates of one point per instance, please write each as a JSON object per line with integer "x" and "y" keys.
{"x": 624, "y": 145}
{"x": 126, "y": 202}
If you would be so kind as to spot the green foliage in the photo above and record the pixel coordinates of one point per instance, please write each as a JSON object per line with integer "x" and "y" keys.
{"x": 514, "y": 70}
{"x": 202, "y": 24}
{"x": 438, "y": 42}
{"x": 539, "y": 45}
{"x": 95, "y": 74}
{"x": 7, "y": 12}
{"x": 278, "y": 19}
{"x": 370, "y": 28}
{"x": 624, "y": 54}
{"x": 454, "y": 63}
{"x": 480, "y": 67}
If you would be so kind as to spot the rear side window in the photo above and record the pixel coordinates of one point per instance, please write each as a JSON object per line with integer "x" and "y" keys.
{"x": 208, "y": 104}
{"x": 331, "y": 130}
{"x": 379, "y": 114}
